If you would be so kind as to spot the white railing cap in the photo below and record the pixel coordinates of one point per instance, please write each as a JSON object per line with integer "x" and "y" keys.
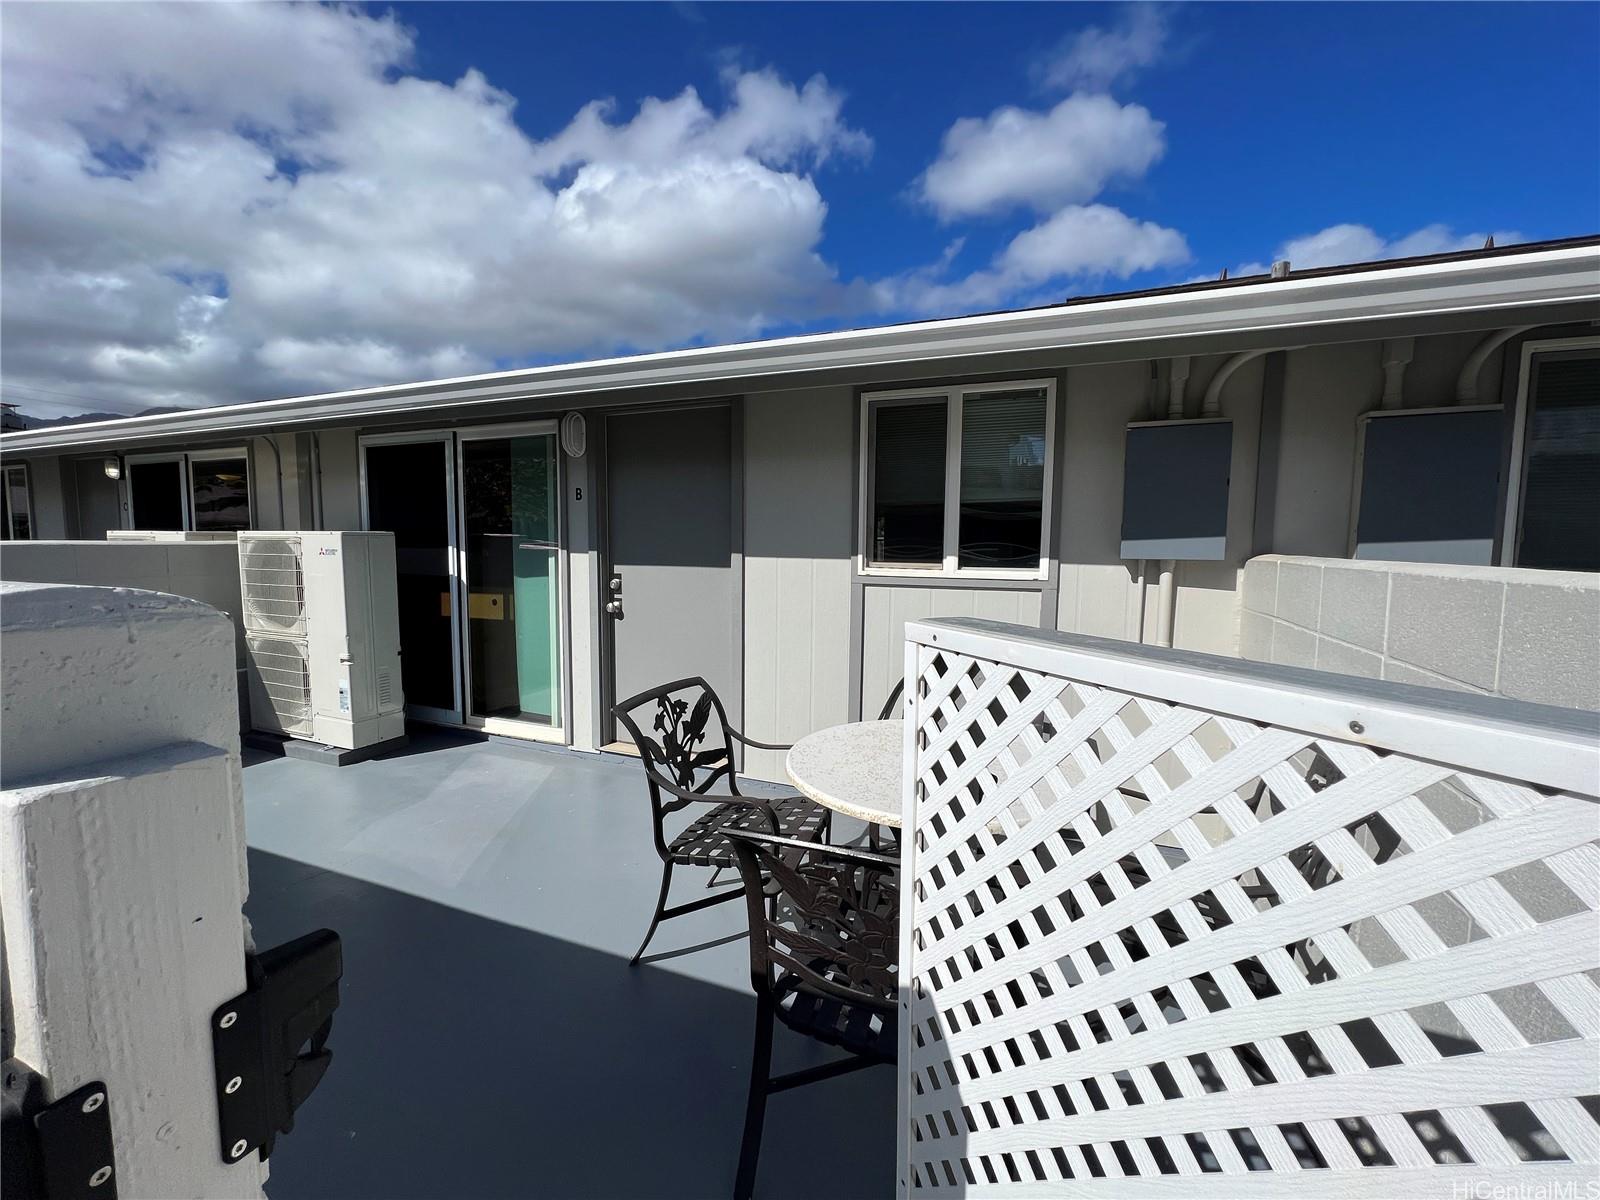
{"x": 1542, "y": 744}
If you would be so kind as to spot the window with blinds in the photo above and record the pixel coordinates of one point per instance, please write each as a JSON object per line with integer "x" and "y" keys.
{"x": 957, "y": 480}
{"x": 1002, "y": 479}
{"x": 1559, "y": 526}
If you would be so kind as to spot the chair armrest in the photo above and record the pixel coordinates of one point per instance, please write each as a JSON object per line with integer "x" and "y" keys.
{"x": 737, "y": 736}
{"x": 685, "y": 795}
{"x": 844, "y": 853}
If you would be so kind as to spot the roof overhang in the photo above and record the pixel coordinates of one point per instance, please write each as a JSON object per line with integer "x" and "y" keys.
{"x": 1527, "y": 280}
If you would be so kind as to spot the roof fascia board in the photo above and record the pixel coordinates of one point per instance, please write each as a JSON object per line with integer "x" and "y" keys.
{"x": 1547, "y": 277}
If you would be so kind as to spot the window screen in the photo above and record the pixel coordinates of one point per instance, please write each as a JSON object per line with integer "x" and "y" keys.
{"x": 1002, "y": 479}
{"x": 1561, "y": 475}
{"x": 908, "y": 453}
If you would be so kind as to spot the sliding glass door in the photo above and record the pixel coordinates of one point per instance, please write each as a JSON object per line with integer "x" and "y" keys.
{"x": 510, "y": 523}
{"x": 476, "y": 519}
{"x": 408, "y": 489}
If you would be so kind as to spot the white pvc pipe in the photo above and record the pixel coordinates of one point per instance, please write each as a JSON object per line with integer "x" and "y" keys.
{"x": 1166, "y": 602}
{"x": 1144, "y": 575}
{"x": 1176, "y": 383}
{"x": 1211, "y": 406}
{"x": 1467, "y": 381}
{"x": 1397, "y": 355}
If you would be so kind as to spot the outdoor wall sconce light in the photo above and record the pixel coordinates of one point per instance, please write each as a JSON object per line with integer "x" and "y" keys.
{"x": 113, "y": 468}
{"x": 574, "y": 435}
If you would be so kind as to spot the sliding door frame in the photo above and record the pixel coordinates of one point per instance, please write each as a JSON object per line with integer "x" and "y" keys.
{"x": 130, "y": 518}
{"x": 558, "y": 733}
{"x": 445, "y": 439}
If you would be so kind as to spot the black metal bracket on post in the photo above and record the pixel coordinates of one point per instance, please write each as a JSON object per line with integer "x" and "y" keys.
{"x": 269, "y": 1043}
{"x": 59, "y": 1151}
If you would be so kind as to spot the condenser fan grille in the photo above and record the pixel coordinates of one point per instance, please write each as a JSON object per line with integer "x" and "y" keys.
{"x": 281, "y": 676}
{"x": 272, "y": 585}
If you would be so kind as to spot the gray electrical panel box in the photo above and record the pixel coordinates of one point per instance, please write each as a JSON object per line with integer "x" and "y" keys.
{"x": 1175, "y": 489}
{"x": 1430, "y": 484}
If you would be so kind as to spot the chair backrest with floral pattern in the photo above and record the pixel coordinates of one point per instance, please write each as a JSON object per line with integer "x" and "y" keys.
{"x": 835, "y": 927}
{"x": 681, "y": 732}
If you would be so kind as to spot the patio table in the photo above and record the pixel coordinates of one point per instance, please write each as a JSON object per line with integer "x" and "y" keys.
{"x": 853, "y": 769}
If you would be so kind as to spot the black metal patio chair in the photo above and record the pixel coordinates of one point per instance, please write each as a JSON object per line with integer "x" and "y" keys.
{"x": 891, "y": 706}
{"x": 691, "y": 752}
{"x": 824, "y": 947}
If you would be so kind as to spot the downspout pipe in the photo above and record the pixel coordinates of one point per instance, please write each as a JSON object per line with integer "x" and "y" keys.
{"x": 1467, "y": 381}
{"x": 317, "y": 514}
{"x": 278, "y": 457}
{"x": 1397, "y": 355}
{"x": 1211, "y": 406}
{"x": 1177, "y": 382}
{"x": 1167, "y": 602}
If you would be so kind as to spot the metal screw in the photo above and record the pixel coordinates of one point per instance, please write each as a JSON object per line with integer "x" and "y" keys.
{"x": 93, "y": 1102}
{"x": 228, "y": 1018}
{"x": 100, "y": 1176}
{"x": 1357, "y": 727}
{"x": 233, "y": 1085}
{"x": 239, "y": 1148}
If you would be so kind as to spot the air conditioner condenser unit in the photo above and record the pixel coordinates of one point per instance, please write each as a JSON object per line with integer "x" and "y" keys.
{"x": 322, "y": 635}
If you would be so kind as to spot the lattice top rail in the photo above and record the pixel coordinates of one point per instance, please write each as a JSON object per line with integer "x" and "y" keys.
{"x": 1184, "y": 925}
{"x": 1551, "y": 746}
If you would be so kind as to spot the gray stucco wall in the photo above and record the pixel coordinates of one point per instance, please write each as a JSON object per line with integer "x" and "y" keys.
{"x": 341, "y": 479}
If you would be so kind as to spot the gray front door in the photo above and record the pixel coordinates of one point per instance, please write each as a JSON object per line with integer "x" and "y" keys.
{"x": 670, "y": 538}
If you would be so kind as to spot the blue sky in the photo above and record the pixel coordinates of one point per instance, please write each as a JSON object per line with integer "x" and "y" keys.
{"x": 205, "y": 204}
{"x": 1282, "y": 119}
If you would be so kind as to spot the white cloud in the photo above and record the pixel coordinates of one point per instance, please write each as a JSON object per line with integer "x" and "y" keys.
{"x": 1338, "y": 245}
{"x": 1094, "y": 58}
{"x": 1055, "y": 164}
{"x": 1015, "y": 158}
{"x": 1083, "y": 241}
{"x": 217, "y": 202}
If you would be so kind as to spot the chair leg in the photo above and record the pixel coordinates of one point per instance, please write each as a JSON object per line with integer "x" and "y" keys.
{"x": 755, "y": 1112}
{"x": 661, "y": 906}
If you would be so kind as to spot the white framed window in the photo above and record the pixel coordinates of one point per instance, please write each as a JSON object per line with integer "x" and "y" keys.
{"x": 1551, "y": 518}
{"x": 957, "y": 481}
{"x": 205, "y": 490}
{"x": 16, "y": 522}
{"x": 219, "y": 489}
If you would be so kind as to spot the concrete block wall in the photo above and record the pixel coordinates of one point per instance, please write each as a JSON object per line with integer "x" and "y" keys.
{"x": 1527, "y": 635}
{"x": 204, "y": 571}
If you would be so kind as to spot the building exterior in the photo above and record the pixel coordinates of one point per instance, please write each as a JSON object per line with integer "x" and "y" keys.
{"x": 1178, "y": 467}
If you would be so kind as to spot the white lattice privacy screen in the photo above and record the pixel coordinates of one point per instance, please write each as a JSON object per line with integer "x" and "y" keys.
{"x": 1185, "y": 926}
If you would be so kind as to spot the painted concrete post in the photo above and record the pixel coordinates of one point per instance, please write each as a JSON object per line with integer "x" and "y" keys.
{"x": 122, "y": 870}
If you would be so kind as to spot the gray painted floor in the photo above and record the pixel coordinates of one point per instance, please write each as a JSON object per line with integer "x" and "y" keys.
{"x": 492, "y": 1040}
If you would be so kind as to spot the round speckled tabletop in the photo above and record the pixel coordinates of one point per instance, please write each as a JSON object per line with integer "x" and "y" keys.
{"x": 853, "y": 769}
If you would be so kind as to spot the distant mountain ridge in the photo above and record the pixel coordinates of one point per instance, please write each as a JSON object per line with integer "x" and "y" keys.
{"x": 24, "y": 421}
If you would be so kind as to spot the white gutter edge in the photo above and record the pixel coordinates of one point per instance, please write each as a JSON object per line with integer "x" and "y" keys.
{"x": 1555, "y": 276}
